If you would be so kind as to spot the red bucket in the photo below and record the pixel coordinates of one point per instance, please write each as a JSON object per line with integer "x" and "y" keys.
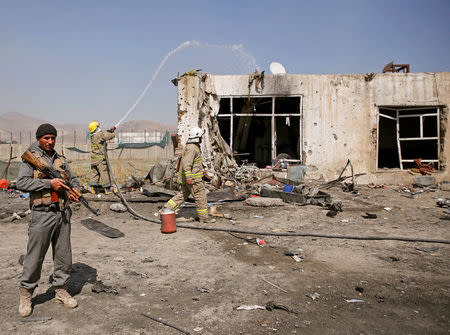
{"x": 168, "y": 224}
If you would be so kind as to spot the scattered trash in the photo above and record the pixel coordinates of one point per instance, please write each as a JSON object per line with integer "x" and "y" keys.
{"x": 139, "y": 253}
{"x": 295, "y": 254}
{"x": 377, "y": 186}
{"x": 258, "y": 216}
{"x": 249, "y": 307}
{"x": 147, "y": 260}
{"x": 160, "y": 320}
{"x": 345, "y": 220}
{"x": 444, "y": 203}
{"x": 288, "y": 188}
{"x": 369, "y": 216}
{"x": 25, "y": 195}
{"x": 268, "y": 282}
{"x": 142, "y": 295}
{"x": 137, "y": 274}
{"x": 314, "y": 296}
{"x": 387, "y": 209}
{"x": 203, "y": 289}
{"x": 331, "y": 213}
{"x": 334, "y": 208}
{"x": 260, "y": 242}
{"x": 198, "y": 329}
{"x": 427, "y": 249}
{"x": 354, "y": 300}
{"x": 36, "y": 318}
{"x": 101, "y": 228}
{"x": 297, "y": 258}
{"x": 271, "y": 305}
{"x": 359, "y": 289}
{"x": 100, "y": 287}
{"x": 117, "y": 207}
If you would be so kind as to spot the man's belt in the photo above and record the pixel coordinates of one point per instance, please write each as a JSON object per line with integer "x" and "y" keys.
{"x": 54, "y": 207}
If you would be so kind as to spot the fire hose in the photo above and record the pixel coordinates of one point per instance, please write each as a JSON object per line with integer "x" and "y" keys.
{"x": 251, "y": 232}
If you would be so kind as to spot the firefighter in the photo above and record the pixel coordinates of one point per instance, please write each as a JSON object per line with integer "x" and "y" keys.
{"x": 190, "y": 173}
{"x": 99, "y": 168}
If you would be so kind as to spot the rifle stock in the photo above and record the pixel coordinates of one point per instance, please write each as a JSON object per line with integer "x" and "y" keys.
{"x": 53, "y": 173}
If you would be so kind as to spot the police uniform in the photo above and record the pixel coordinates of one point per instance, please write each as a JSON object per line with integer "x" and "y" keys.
{"x": 50, "y": 220}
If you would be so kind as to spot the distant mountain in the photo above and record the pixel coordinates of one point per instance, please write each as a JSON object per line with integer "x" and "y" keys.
{"x": 23, "y": 127}
{"x": 13, "y": 121}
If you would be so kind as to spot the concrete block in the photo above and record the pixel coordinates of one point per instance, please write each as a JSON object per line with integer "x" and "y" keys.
{"x": 445, "y": 186}
{"x": 264, "y": 202}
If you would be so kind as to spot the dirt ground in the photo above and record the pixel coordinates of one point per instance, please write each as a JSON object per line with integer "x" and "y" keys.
{"x": 196, "y": 279}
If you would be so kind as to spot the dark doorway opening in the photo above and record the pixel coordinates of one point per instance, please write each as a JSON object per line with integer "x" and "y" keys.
{"x": 252, "y": 139}
{"x": 387, "y": 144}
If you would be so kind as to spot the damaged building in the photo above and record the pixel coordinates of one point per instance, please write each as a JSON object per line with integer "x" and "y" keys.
{"x": 382, "y": 122}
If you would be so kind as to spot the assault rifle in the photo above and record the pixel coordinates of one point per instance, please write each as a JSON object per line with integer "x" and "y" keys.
{"x": 53, "y": 173}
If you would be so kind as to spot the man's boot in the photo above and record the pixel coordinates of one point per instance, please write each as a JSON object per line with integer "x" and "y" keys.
{"x": 25, "y": 301}
{"x": 63, "y": 297}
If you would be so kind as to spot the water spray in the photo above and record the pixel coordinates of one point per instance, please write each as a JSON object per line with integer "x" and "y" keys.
{"x": 235, "y": 47}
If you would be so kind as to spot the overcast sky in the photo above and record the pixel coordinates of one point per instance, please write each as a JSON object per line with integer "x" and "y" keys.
{"x": 75, "y": 61}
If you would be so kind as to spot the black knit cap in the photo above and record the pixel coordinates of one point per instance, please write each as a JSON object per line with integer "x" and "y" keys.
{"x": 45, "y": 129}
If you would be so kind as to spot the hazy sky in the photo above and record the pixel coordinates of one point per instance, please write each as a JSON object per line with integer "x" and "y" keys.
{"x": 75, "y": 61}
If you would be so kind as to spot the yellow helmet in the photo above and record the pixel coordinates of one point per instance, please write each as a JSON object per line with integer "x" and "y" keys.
{"x": 93, "y": 125}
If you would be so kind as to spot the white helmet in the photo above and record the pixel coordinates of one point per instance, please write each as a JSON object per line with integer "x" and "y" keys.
{"x": 195, "y": 133}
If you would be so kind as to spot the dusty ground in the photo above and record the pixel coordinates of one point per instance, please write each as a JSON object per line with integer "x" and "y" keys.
{"x": 405, "y": 291}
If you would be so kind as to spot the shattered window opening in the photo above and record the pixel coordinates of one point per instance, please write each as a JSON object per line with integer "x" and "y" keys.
{"x": 413, "y": 133}
{"x": 259, "y": 129}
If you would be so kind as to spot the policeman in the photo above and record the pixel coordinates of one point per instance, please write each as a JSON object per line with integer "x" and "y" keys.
{"x": 50, "y": 220}
{"x": 99, "y": 168}
{"x": 190, "y": 173}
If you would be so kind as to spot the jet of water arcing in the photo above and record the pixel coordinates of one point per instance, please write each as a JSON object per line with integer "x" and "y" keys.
{"x": 235, "y": 47}
{"x": 166, "y": 57}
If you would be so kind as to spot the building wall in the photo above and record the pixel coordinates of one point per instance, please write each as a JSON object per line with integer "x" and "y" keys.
{"x": 340, "y": 115}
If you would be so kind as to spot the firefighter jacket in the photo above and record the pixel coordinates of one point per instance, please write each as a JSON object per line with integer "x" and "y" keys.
{"x": 190, "y": 166}
{"x": 98, "y": 144}
{"x": 31, "y": 180}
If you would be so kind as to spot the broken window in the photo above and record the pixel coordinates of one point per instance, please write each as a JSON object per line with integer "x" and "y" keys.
{"x": 405, "y": 134}
{"x": 260, "y": 129}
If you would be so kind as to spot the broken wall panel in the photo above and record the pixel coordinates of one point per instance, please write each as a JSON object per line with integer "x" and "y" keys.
{"x": 340, "y": 114}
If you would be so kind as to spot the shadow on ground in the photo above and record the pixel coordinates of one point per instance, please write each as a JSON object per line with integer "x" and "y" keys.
{"x": 80, "y": 275}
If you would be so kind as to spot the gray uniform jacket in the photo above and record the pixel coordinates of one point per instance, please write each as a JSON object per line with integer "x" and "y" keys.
{"x": 25, "y": 180}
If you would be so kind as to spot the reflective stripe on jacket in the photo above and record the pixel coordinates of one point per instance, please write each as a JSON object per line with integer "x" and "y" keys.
{"x": 191, "y": 166}
{"x": 98, "y": 144}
